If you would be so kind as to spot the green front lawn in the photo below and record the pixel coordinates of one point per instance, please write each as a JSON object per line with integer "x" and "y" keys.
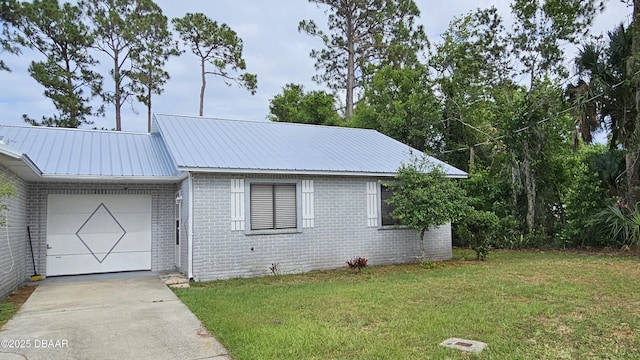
{"x": 525, "y": 305}
{"x": 7, "y": 310}
{"x": 10, "y": 306}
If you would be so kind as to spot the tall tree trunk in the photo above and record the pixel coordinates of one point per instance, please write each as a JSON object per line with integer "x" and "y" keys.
{"x": 351, "y": 72}
{"x": 204, "y": 86}
{"x": 117, "y": 95}
{"x": 149, "y": 109}
{"x": 529, "y": 187}
{"x": 633, "y": 152}
{"x": 423, "y": 254}
{"x": 73, "y": 110}
{"x": 515, "y": 184}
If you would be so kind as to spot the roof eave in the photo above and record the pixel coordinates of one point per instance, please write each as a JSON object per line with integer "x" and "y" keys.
{"x": 299, "y": 172}
{"x": 20, "y": 163}
{"x": 108, "y": 178}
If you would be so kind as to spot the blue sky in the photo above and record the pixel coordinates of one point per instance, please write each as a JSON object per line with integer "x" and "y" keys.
{"x": 273, "y": 49}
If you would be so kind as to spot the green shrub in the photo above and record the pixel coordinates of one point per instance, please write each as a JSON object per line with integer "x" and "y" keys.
{"x": 589, "y": 194}
{"x": 537, "y": 239}
{"x": 357, "y": 263}
{"x": 619, "y": 223}
{"x": 508, "y": 234}
{"x": 477, "y": 229}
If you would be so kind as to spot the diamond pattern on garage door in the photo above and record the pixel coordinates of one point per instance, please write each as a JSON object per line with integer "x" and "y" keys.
{"x": 101, "y": 232}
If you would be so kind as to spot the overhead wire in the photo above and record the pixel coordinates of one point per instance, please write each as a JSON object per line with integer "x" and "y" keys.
{"x": 525, "y": 128}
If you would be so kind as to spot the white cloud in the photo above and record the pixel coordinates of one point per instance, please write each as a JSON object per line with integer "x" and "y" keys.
{"x": 273, "y": 49}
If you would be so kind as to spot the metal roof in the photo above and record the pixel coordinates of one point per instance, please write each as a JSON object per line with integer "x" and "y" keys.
{"x": 74, "y": 153}
{"x": 205, "y": 144}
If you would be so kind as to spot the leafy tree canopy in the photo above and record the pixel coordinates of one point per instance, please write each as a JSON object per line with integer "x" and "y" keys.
{"x": 399, "y": 102}
{"x": 363, "y": 33}
{"x": 297, "y": 106}
{"x": 424, "y": 198}
{"x": 119, "y": 26}
{"x": 218, "y": 46}
{"x": 8, "y": 17}
{"x": 148, "y": 61}
{"x": 67, "y": 73}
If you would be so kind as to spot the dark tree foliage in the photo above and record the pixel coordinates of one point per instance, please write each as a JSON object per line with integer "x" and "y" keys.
{"x": 8, "y": 17}
{"x": 148, "y": 61}
{"x": 362, "y": 33}
{"x": 297, "y": 106}
{"x": 605, "y": 96}
{"x": 400, "y": 103}
{"x": 67, "y": 74}
{"x": 121, "y": 29}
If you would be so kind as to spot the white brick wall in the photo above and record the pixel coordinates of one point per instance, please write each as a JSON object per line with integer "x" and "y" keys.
{"x": 184, "y": 227}
{"x": 162, "y": 215}
{"x": 341, "y": 232}
{"x": 14, "y": 270}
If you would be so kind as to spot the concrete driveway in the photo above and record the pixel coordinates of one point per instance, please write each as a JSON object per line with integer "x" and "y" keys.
{"x": 125, "y": 316}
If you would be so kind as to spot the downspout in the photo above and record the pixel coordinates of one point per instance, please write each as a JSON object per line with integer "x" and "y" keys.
{"x": 190, "y": 235}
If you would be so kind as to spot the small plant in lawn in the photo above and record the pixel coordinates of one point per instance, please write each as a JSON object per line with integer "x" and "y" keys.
{"x": 477, "y": 228}
{"x": 357, "y": 263}
{"x": 275, "y": 269}
{"x": 429, "y": 264}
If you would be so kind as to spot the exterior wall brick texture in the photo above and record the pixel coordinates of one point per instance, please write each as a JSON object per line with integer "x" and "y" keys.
{"x": 162, "y": 215}
{"x": 340, "y": 233}
{"x": 15, "y": 258}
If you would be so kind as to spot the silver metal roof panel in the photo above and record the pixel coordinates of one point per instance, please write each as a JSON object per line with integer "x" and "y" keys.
{"x": 90, "y": 153}
{"x": 205, "y": 144}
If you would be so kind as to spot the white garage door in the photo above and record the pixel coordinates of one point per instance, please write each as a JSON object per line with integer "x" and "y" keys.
{"x": 98, "y": 233}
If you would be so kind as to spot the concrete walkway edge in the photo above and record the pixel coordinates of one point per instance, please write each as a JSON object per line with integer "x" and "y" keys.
{"x": 134, "y": 317}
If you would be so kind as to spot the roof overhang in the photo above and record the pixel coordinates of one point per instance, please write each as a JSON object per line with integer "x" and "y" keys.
{"x": 18, "y": 163}
{"x": 107, "y": 178}
{"x": 22, "y": 166}
{"x": 298, "y": 172}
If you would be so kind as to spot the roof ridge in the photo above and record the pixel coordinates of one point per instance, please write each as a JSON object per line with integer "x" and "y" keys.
{"x": 75, "y": 129}
{"x": 266, "y": 122}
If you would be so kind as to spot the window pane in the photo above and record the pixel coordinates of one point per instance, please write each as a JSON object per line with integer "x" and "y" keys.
{"x": 261, "y": 203}
{"x": 386, "y": 209}
{"x": 285, "y": 206}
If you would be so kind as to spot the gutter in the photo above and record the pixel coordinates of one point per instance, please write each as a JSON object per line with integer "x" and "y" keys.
{"x": 300, "y": 172}
{"x": 111, "y": 178}
{"x": 14, "y": 154}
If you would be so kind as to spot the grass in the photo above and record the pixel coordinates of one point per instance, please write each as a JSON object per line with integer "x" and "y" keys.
{"x": 525, "y": 305}
{"x": 7, "y": 310}
{"x": 10, "y": 306}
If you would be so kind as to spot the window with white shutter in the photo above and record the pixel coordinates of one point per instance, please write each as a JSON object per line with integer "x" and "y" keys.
{"x": 273, "y": 206}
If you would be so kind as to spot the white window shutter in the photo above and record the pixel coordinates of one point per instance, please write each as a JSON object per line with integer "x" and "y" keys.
{"x": 308, "y": 217}
{"x": 372, "y": 204}
{"x": 237, "y": 204}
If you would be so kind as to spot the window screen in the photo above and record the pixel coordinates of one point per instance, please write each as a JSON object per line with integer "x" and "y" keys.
{"x": 386, "y": 209}
{"x": 273, "y": 206}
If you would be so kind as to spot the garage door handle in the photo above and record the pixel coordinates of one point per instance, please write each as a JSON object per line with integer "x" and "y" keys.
{"x": 49, "y": 247}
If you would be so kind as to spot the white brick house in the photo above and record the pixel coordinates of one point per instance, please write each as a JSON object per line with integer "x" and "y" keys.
{"x": 213, "y": 198}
